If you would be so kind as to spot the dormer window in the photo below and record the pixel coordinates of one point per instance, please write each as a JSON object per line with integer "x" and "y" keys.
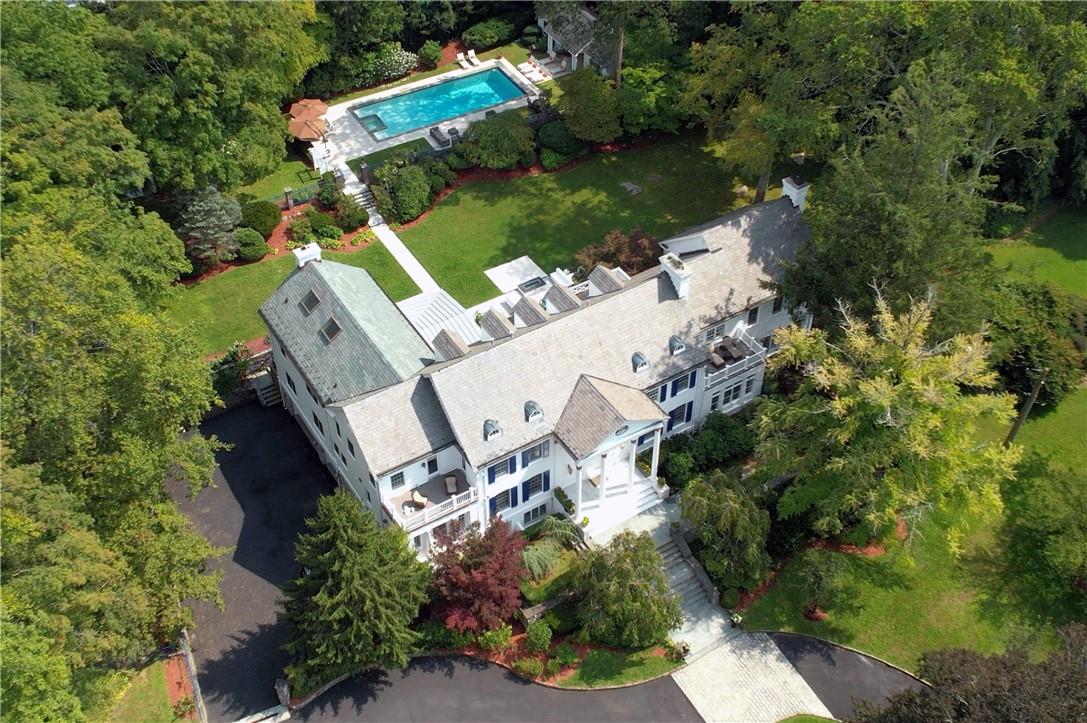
{"x": 676, "y": 345}
{"x": 330, "y": 330}
{"x": 310, "y": 301}
{"x": 533, "y": 412}
{"x": 491, "y": 430}
{"x": 639, "y": 362}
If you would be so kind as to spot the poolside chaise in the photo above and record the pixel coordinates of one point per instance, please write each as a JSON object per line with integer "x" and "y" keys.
{"x": 441, "y": 139}
{"x": 462, "y": 61}
{"x": 473, "y": 59}
{"x": 454, "y": 134}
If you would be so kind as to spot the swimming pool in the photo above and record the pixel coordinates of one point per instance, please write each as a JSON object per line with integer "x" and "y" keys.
{"x": 431, "y": 105}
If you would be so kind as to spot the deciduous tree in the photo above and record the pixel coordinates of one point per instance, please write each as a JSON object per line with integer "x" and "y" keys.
{"x": 884, "y": 422}
{"x": 352, "y": 606}
{"x": 477, "y": 577}
{"x": 589, "y": 107}
{"x": 731, "y": 527}
{"x": 634, "y": 251}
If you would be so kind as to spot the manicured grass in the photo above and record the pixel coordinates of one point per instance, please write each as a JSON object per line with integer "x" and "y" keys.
{"x": 898, "y": 608}
{"x": 292, "y": 172}
{"x": 558, "y": 581}
{"x": 514, "y": 53}
{"x": 553, "y": 215}
{"x": 607, "y": 667}
{"x": 145, "y": 700}
{"x": 376, "y": 159}
{"x": 805, "y": 719}
{"x": 223, "y": 308}
{"x": 1055, "y": 252}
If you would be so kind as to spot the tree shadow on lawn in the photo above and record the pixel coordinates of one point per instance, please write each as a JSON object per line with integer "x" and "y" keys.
{"x": 1064, "y": 233}
{"x": 1015, "y": 589}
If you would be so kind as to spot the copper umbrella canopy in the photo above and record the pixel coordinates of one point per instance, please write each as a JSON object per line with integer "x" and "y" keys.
{"x": 307, "y": 108}
{"x": 307, "y": 129}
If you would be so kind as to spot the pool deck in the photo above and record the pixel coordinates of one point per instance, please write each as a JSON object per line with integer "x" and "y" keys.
{"x": 347, "y": 139}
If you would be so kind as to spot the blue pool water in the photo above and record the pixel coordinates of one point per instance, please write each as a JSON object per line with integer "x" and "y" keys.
{"x": 437, "y": 103}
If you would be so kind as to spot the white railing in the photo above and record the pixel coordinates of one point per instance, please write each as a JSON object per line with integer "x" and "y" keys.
{"x": 740, "y": 365}
{"x": 578, "y": 288}
{"x": 431, "y": 513}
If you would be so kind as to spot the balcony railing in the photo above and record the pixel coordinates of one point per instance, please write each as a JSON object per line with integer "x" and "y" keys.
{"x": 754, "y": 359}
{"x": 434, "y": 512}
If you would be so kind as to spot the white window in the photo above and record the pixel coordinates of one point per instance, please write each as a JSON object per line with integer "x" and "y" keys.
{"x": 677, "y": 416}
{"x": 535, "y": 514}
{"x": 317, "y": 423}
{"x": 312, "y": 394}
{"x": 338, "y": 433}
{"x": 432, "y": 465}
{"x": 715, "y": 401}
{"x": 779, "y": 304}
{"x": 533, "y": 486}
{"x": 534, "y": 453}
{"x": 290, "y": 383}
{"x": 502, "y": 501}
{"x": 397, "y": 480}
{"x": 351, "y": 448}
{"x": 715, "y": 332}
{"x": 681, "y": 384}
{"x": 753, "y": 316}
{"x": 749, "y": 384}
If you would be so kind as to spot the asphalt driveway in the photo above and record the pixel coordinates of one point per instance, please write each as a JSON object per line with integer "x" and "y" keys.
{"x": 463, "y": 689}
{"x": 265, "y": 488}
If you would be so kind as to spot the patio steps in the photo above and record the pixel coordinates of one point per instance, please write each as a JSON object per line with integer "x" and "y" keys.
{"x": 366, "y": 199}
{"x": 704, "y": 625}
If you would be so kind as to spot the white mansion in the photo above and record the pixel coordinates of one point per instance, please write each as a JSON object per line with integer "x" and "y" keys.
{"x": 436, "y": 417}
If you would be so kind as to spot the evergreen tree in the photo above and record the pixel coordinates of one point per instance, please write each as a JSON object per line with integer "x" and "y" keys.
{"x": 353, "y": 605}
{"x": 883, "y": 423}
{"x": 207, "y": 224}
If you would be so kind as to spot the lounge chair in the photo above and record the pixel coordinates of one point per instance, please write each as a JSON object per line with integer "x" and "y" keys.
{"x": 462, "y": 61}
{"x": 439, "y": 137}
{"x": 418, "y": 499}
{"x": 472, "y": 58}
{"x": 454, "y": 134}
{"x": 450, "y": 485}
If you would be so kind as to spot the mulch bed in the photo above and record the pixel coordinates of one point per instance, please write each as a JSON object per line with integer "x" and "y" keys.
{"x": 178, "y": 685}
{"x": 872, "y": 549}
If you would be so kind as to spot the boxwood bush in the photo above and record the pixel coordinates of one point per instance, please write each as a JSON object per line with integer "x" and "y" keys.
{"x": 251, "y": 245}
{"x": 261, "y": 216}
{"x": 430, "y": 54}
{"x": 489, "y": 33}
{"x": 557, "y": 136}
{"x": 551, "y": 160}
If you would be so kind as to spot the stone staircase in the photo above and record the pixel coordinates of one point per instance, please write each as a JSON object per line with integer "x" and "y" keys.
{"x": 705, "y": 624}
{"x": 359, "y": 191}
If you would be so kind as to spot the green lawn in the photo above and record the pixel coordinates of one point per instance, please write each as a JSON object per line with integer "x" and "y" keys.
{"x": 559, "y": 580}
{"x": 146, "y": 700}
{"x": 903, "y": 607}
{"x": 223, "y": 309}
{"x": 1055, "y": 252}
{"x": 292, "y": 172}
{"x": 607, "y": 667}
{"x": 805, "y": 719}
{"x": 376, "y": 159}
{"x": 551, "y": 216}
{"x": 513, "y": 53}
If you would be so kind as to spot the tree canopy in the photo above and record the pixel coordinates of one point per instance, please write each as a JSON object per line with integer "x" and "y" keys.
{"x": 477, "y": 577}
{"x": 732, "y": 529}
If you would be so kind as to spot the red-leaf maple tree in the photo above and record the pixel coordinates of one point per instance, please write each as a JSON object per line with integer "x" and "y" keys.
{"x": 477, "y": 577}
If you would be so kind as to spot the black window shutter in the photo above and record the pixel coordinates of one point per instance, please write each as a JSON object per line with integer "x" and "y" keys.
{"x": 547, "y": 480}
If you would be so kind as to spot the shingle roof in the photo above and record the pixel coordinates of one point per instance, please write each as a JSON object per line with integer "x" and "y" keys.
{"x": 397, "y": 425}
{"x": 529, "y": 312}
{"x": 597, "y": 409}
{"x": 604, "y": 280}
{"x": 496, "y": 325}
{"x": 449, "y": 344}
{"x": 544, "y": 363}
{"x": 561, "y": 298}
{"x": 377, "y": 347}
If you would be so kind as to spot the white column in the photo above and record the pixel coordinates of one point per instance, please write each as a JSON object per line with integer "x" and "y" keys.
{"x": 603, "y": 475}
{"x": 580, "y": 478}
{"x": 550, "y": 45}
{"x": 656, "y": 451}
{"x": 633, "y": 457}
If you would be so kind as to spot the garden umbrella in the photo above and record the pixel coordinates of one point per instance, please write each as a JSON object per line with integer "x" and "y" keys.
{"x": 308, "y": 108}
{"x": 307, "y": 129}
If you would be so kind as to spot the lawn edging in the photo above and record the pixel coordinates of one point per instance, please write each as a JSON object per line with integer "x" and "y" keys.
{"x": 876, "y": 658}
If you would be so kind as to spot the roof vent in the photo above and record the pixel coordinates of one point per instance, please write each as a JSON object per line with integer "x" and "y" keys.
{"x": 491, "y": 430}
{"x": 330, "y": 330}
{"x": 533, "y": 411}
{"x": 639, "y": 362}
{"x": 676, "y": 345}
{"x": 310, "y": 301}
{"x": 309, "y": 252}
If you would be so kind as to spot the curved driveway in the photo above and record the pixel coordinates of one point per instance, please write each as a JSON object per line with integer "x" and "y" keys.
{"x": 463, "y": 689}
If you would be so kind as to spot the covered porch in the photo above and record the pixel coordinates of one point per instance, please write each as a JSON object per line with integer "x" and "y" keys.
{"x": 432, "y": 500}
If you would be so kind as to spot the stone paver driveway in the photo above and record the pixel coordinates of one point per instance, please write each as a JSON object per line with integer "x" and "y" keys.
{"x": 747, "y": 679}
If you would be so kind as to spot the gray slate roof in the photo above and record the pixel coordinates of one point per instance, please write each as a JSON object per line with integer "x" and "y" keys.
{"x": 449, "y": 344}
{"x": 597, "y": 409}
{"x": 376, "y": 347}
{"x": 544, "y": 362}
{"x": 397, "y": 425}
{"x": 561, "y": 298}
{"x": 496, "y": 325}
{"x": 604, "y": 280}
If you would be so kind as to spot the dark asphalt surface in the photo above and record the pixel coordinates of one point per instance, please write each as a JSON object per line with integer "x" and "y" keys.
{"x": 462, "y": 689}
{"x": 838, "y": 676}
{"x": 266, "y": 486}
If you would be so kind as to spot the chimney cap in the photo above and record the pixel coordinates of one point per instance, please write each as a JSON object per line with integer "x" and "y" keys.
{"x": 307, "y": 253}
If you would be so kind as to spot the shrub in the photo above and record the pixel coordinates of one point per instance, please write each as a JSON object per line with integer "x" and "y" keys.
{"x": 677, "y": 652}
{"x": 437, "y": 184}
{"x": 228, "y": 371}
{"x": 350, "y": 214}
{"x": 731, "y": 527}
{"x": 261, "y": 216}
{"x": 430, "y": 54}
{"x": 560, "y": 529}
{"x": 538, "y": 636}
{"x": 251, "y": 245}
{"x": 388, "y": 62}
{"x": 500, "y": 638}
{"x": 328, "y": 191}
{"x": 565, "y": 655}
{"x": 457, "y": 161}
{"x": 564, "y": 500}
{"x": 540, "y": 558}
{"x": 730, "y": 598}
{"x": 434, "y": 635}
{"x": 552, "y": 667}
{"x": 557, "y": 136}
{"x": 529, "y": 667}
{"x": 528, "y": 158}
{"x": 498, "y": 142}
{"x": 678, "y": 469}
{"x": 562, "y": 618}
{"x": 722, "y": 441}
{"x": 551, "y": 160}
{"x": 634, "y": 252}
{"x": 489, "y": 33}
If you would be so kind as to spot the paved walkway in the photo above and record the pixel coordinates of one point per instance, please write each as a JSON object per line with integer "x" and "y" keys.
{"x": 405, "y": 258}
{"x": 747, "y": 679}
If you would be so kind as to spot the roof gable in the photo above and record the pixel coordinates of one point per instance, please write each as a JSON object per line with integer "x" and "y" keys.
{"x": 597, "y": 409}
